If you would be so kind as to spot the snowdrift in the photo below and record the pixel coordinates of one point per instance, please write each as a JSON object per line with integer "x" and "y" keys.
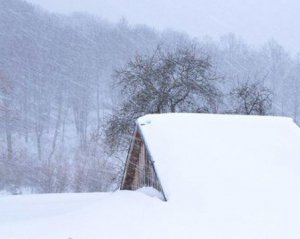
{"x": 228, "y": 177}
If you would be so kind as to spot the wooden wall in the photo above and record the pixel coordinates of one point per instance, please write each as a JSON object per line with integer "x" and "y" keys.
{"x": 139, "y": 169}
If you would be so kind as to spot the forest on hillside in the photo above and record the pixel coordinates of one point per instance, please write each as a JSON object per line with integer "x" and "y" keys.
{"x": 71, "y": 88}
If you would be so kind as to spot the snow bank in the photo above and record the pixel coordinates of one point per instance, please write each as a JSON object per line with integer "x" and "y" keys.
{"x": 227, "y": 177}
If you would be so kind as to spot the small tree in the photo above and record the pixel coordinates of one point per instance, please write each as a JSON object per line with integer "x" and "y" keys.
{"x": 180, "y": 80}
{"x": 251, "y": 99}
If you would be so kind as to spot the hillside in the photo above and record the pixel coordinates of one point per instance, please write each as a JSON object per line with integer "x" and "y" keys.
{"x": 58, "y": 89}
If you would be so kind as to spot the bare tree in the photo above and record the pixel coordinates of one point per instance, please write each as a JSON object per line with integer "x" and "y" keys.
{"x": 251, "y": 99}
{"x": 180, "y": 80}
{"x": 6, "y": 111}
{"x": 168, "y": 80}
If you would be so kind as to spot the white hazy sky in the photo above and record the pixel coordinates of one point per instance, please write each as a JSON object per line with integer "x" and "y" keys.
{"x": 256, "y": 21}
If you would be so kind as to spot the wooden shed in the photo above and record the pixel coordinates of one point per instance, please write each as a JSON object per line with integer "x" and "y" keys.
{"x": 139, "y": 168}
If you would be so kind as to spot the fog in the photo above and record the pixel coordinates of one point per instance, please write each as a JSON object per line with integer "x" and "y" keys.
{"x": 256, "y": 21}
{"x": 67, "y": 106}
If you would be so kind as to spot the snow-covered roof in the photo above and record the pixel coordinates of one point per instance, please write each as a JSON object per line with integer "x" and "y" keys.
{"x": 226, "y": 177}
{"x": 224, "y": 152}
{"x": 229, "y": 171}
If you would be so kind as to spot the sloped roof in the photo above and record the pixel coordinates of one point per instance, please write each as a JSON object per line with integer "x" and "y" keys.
{"x": 242, "y": 170}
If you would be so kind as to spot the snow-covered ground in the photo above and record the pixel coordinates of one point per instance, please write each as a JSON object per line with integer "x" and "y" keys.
{"x": 225, "y": 177}
{"x": 78, "y": 216}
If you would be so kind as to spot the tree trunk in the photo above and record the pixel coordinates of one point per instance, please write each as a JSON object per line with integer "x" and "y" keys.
{"x": 56, "y": 132}
{"x": 9, "y": 142}
{"x": 39, "y": 146}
